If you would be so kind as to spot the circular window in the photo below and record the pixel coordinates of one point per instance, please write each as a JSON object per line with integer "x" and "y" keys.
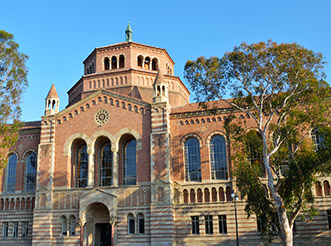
{"x": 102, "y": 116}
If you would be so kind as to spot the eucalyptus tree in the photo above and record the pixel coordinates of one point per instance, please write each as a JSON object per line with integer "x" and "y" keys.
{"x": 281, "y": 88}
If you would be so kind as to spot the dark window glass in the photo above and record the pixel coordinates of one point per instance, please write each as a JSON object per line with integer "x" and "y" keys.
{"x": 318, "y": 138}
{"x": 129, "y": 163}
{"x": 81, "y": 166}
{"x": 329, "y": 218}
{"x": 5, "y": 229}
{"x": 15, "y": 229}
{"x": 218, "y": 158}
{"x": 192, "y": 160}
{"x": 105, "y": 165}
{"x": 209, "y": 224}
{"x": 30, "y": 172}
{"x": 131, "y": 224}
{"x": 222, "y": 224}
{"x": 195, "y": 225}
{"x": 25, "y": 230}
{"x": 141, "y": 224}
{"x": 11, "y": 173}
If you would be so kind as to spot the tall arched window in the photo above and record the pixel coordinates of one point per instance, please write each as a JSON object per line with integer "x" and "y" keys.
{"x": 121, "y": 61}
{"x": 81, "y": 166}
{"x": 11, "y": 173}
{"x": 254, "y": 149}
{"x": 218, "y": 158}
{"x": 30, "y": 172}
{"x": 72, "y": 225}
{"x": 107, "y": 63}
{"x": 192, "y": 160}
{"x": 131, "y": 224}
{"x": 141, "y": 223}
{"x": 114, "y": 62}
{"x": 318, "y": 138}
{"x": 129, "y": 163}
{"x": 140, "y": 61}
{"x": 105, "y": 165}
{"x": 64, "y": 225}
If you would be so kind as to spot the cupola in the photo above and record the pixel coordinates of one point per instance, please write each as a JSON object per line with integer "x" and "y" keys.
{"x": 52, "y": 102}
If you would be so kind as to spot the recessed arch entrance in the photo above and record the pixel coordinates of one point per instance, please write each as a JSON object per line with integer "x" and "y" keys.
{"x": 98, "y": 229}
{"x": 98, "y": 215}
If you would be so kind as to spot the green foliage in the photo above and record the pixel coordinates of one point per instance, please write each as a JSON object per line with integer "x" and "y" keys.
{"x": 281, "y": 88}
{"x": 13, "y": 81}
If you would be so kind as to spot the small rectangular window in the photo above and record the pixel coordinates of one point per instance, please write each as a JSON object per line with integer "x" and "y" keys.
{"x": 222, "y": 224}
{"x": 15, "y": 229}
{"x": 195, "y": 225}
{"x": 5, "y": 229}
{"x": 209, "y": 224}
{"x": 25, "y": 230}
{"x": 329, "y": 218}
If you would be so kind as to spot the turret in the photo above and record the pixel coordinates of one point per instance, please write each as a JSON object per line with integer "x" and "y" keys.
{"x": 52, "y": 102}
{"x": 128, "y": 33}
{"x": 160, "y": 89}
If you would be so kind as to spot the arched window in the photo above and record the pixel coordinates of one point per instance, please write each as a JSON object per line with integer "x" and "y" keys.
{"x": 72, "y": 225}
{"x": 326, "y": 188}
{"x": 121, "y": 61}
{"x": 199, "y": 195}
{"x": 147, "y": 62}
{"x": 192, "y": 196}
{"x": 228, "y": 194}
{"x": 81, "y": 166}
{"x": 30, "y": 172}
{"x": 64, "y": 225}
{"x": 11, "y": 173}
{"x": 105, "y": 164}
{"x": 140, "y": 61}
{"x": 207, "y": 195}
{"x": 114, "y": 62}
{"x": 218, "y": 158}
{"x": 254, "y": 149}
{"x": 107, "y": 63}
{"x": 318, "y": 138}
{"x": 185, "y": 196}
{"x": 129, "y": 163}
{"x": 318, "y": 189}
{"x": 192, "y": 160}
{"x": 131, "y": 224}
{"x": 141, "y": 223}
{"x": 154, "y": 64}
{"x": 214, "y": 194}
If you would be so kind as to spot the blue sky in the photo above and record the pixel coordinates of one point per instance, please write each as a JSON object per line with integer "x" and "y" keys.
{"x": 59, "y": 35}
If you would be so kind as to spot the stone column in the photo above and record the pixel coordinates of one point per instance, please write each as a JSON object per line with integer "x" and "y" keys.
{"x": 90, "y": 182}
{"x": 115, "y": 167}
{"x": 81, "y": 225}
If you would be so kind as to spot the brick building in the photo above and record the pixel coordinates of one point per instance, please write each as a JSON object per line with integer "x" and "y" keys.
{"x": 130, "y": 161}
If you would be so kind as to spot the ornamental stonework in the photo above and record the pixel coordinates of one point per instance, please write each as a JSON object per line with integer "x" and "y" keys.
{"x": 101, "y": 117}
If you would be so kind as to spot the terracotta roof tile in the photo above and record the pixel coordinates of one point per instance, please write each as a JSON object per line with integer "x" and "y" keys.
{"x": 195, "y": 107}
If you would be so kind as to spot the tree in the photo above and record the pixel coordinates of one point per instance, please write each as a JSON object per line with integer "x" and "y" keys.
{"x": 281, "y": 88}
{"x": 13, "y": 81}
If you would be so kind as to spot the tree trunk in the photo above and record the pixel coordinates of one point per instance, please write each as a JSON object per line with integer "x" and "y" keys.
{"x": 285, "y": 229}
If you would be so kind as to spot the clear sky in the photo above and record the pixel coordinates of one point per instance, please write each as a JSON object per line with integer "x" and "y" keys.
{"x": 59, "y": 35}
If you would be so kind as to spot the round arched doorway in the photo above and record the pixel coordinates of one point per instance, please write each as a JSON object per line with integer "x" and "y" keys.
{"x": 98, "y": 230}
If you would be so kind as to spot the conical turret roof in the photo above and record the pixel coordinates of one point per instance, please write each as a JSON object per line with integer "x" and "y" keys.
{"x": 52, "y": 92}
{"x": 159, "y": 78}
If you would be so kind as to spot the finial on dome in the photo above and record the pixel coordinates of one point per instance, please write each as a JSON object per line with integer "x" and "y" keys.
{"x": 128, "y": 33}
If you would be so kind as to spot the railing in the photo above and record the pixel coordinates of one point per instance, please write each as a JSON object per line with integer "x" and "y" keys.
{"x": 17, "y": 201}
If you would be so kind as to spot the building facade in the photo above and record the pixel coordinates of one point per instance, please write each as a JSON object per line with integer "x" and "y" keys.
{"x": 130, "y": 161}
